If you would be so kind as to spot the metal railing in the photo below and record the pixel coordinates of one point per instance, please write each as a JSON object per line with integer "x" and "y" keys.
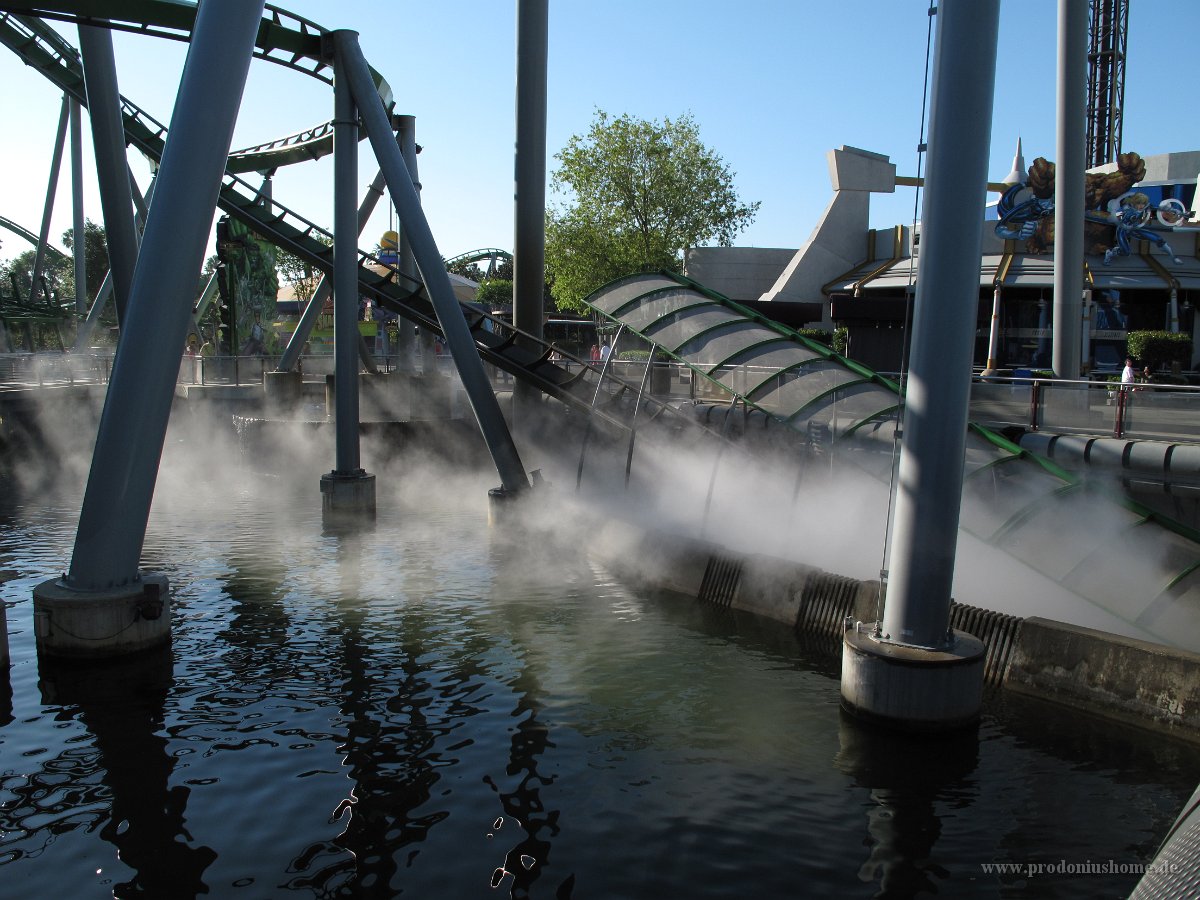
{"x": 1140, "y": 411}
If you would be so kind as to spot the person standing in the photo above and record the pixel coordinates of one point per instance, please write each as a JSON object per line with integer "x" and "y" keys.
{"x": 1128, "y": 376}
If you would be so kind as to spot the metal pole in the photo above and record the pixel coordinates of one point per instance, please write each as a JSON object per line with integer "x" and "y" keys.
{"x": 917, "y": 609}
{"x": 406, "y": 135}
{"x": 433, "y": 271}
{"x": 1085, "y": 347}
{"x": 1071, "y": 149}
{"x": 312, "y": 309}
{"x": 529, "y": 237}
{"x": 407, "y": 340}
{"x": 78, "y": 223}
{"x": 345, "y": 271}
{"x": 116, "y": 503}
{"x": 993, "y": 361}
{"x": 39, "y": 256}
{"x": 112, "y": 167}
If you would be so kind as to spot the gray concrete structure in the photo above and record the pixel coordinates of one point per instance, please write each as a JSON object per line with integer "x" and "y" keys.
{"x": 740, "y": 273}
{"x": 836, "y": 244}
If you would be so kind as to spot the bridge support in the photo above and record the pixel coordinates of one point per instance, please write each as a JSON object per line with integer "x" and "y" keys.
{"x": 348, "y": 492}
{"x": 911, "y": 670}
{"x": 441, "y": 294}
{"x": 105, "y": 605}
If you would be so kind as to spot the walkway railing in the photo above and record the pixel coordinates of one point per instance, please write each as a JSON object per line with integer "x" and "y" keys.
{"x": 1143, "y": 411}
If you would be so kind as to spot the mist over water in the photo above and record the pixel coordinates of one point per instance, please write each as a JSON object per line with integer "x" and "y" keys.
{"x": 431, "y": 706}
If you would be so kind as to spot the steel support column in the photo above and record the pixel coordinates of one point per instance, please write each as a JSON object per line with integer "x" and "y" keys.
{"x": 935, "y": 419}
{"x": 1069, "y": 167}
{"x": 529, "y": 233}
{"x": 78, "y": 222}
{"x": 112, "y": 166}
{"x": 116, "y": 504}
{"x": 433, "y": 271}
{"x": 312, "y": 309}
{"x": 39, "y": 256}
{"x": 909, "y": 669}
{"x": 345, "y": 272}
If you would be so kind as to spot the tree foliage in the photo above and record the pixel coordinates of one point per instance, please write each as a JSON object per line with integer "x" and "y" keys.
{"x": 95, "y": 255}
{"x": 639, "y": 195}
{"x": 495, "y": 293}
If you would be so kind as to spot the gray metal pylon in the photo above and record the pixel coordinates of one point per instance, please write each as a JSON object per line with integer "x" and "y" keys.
{"x": 116, "y": 504}
{"x": 112, "y": 166}
{"x": 529, "y": 190}
{"x": 345, "y": 271}
{"x": 39, "y": 256}
{"x": 922, "y": 549}
{"x": 1069, "y": 168}
{"x": 308, "y": 317}
{"x": 78, "y": 222}
{"x": 450, "y": 316}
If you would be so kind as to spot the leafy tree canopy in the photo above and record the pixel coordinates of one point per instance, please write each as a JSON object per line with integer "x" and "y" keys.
{"x": 639, "y": 195}
{"x": 495, "y": 293}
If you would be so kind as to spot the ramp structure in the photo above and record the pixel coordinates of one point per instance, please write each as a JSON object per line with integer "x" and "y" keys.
{"x": 1138, "y": 565}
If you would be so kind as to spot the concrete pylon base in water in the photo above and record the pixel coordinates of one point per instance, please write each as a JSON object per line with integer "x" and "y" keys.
{"x": 912, "y": 688}
{"x": 347, "y": 497}
{"x": 119, "y": 621}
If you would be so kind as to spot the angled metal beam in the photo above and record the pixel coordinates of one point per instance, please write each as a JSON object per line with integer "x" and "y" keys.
{"x": 116, "y": 503}
{"x": 433, "y": 271}
{"x": 112, "y": 167}
{"x": 39, "y": 256}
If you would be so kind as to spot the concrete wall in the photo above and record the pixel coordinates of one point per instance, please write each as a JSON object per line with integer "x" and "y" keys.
{"x": 1122, "y": 679}
{"x": 740, "y": 273}
{"x": 1115, "y": 677}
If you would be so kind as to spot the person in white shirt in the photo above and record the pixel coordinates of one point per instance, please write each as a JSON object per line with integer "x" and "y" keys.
{"x": 1128, "y": 376}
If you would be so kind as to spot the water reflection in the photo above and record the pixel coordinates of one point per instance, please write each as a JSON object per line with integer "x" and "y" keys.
{"x": 907, "y": 776}
{"x": 121, "y": 703}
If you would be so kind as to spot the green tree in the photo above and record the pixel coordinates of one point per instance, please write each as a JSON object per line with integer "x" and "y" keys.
{"x": 302, "y": 275}
{"x": 494, "y": 293}
{"x": 95, "y": 255}
{"x": 639, "y": 195}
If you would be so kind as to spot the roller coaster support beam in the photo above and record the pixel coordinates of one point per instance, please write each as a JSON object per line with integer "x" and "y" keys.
{"x": 347, "y": 491}
{"x": 83, "y": 336}
{"x": 529, "y": 232}
{"x": 105, "y": 606}
{"x": 78, "y": 223}
{"x": 112, "y": 166}
{"x": 406, "y": 136}
{"x": 308, "y": 318}
{"x": 441, "y": 293}
{"x": 1069, "y": 177}
{"x": 911, "y": 670}
{"x": 39, "y": 257}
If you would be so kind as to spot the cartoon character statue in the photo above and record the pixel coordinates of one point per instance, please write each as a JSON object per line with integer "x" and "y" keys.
{"x": 1020, "y": 221}
{"x": 1026, "y": 210}
{"x": 1131, "y": 215}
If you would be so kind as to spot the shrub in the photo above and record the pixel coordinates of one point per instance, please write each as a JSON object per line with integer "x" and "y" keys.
{"x": 1160, "y": 349}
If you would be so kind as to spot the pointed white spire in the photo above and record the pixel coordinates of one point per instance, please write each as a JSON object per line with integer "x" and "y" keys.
{"x": 1018, "y": 173}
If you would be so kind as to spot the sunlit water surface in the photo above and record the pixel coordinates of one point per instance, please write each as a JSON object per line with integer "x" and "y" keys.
{"x": 425, "y": 709}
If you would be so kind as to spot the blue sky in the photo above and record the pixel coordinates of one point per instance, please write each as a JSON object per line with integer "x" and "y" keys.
{"x": 773, "y": 85}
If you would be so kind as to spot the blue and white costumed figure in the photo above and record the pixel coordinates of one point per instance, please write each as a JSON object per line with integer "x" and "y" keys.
{"x": 1131, "y": 215}
{"x": 1020, "y": 220}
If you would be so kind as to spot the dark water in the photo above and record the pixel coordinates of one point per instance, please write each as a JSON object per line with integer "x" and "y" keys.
{"x": 427, "y": 710}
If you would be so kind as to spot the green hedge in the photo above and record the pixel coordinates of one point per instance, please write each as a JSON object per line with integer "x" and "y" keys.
{"x": 1160, "y": 349}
